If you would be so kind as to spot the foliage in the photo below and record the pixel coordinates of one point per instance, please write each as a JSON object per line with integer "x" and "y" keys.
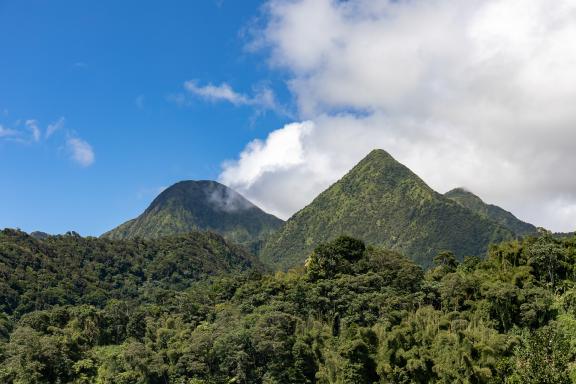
{"x": 354, "y": 314}
{"x": 69, "y": 270}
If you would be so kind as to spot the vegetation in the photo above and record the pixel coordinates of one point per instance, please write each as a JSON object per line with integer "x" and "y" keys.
{"x": 139, "y": 307}
{"x": 201, "y": 205}
{"x": 354, "y": 314}
{"x": 492, "y": 212}
{"x": 70, "y": 270}
{"x": 382, "y": 202}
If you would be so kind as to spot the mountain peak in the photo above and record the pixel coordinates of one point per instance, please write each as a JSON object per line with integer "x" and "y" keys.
{"x": 383, "y": 202}
{"x": 461, "y": 195}
{"x": 380, "y": 158}
{"x": 386, "y": 173}
{"x": 192, "y": 205}
{"x": 208, "y": 192}
{"x": 379, "y": 153}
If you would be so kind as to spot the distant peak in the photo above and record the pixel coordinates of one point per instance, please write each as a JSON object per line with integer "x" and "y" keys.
{"x": 460, "y": 193}
{"x": 379, "y": 154}
{"x": 208, "y": 192}
{"x": 459, "y": 190}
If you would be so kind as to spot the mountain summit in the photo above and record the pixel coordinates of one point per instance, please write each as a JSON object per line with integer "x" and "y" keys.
{"x": 474, "y": 203}
{"x": 200, "y": 205}
{"x": 383, "y": 202}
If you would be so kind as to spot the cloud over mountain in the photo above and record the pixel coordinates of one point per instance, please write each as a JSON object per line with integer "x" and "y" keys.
{"x": 476, "y": 94}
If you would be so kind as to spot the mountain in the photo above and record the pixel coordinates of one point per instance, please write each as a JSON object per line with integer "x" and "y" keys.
{"x": 469, "y": 200}
{"x": 382, "y": 202}
{"x": 200, "y": 205}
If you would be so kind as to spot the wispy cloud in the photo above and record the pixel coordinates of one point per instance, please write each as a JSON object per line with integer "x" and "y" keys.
{"x": 6, "y": 132}
{"x": 81, "y": 151}
{"x": 179, "y": 99}
{"x": 262, "y": 97}
{"x": 222, "y": 92}
{"x": 55, "y": 126}
{"x": 32, "y": 125}
{"x": 29, "y": 131}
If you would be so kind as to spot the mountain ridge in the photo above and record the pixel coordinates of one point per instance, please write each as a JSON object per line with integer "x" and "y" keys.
{"x": 383, "y": 202}
{"x": 493, "y": 212}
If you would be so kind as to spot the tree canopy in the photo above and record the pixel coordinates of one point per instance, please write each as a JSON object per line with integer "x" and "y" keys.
{"x": 80, "y": 310}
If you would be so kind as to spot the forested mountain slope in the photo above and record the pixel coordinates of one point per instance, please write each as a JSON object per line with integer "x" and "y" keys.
{"x": 474, "y": 203}
{"x": 382, "y": 202}
{"x": 200, "y": 205}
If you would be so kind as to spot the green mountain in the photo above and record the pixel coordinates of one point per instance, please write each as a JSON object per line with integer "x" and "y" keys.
{"x": 200, "y": 205}
{"x": 382, "y": 202}
{"x": 469, "y": 200}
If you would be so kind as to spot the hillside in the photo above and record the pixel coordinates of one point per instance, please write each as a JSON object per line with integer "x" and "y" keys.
{"x": 200, "y": 205}
{"x": 469, "y": 200}
{"x": 69, "y": 269}
{"x": 382, "y": 202}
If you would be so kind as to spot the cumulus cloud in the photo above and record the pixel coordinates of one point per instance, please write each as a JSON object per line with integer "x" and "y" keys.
{"x": 477, "y": 94}
{"x": 80, "y": 151}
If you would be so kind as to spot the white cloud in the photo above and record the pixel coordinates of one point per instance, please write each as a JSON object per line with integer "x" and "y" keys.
{"x": 476, "y": 93}
{"x": 222, "y": 92}
{"x": 263, "y": 97}
{"x": 32, "y": 125}
{"x": 55, "y": 126}
{"x": 281, "y": 150}
{"x": 280, "y": 172}
{"x": 81, "y": 151}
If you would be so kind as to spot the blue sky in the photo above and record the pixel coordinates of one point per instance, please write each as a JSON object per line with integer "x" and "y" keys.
{"x": 103, "y": 103}
{"x": 111, "y": 72}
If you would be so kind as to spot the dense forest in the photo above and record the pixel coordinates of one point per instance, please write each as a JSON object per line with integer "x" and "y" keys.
{"x": 77, "y": 310}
